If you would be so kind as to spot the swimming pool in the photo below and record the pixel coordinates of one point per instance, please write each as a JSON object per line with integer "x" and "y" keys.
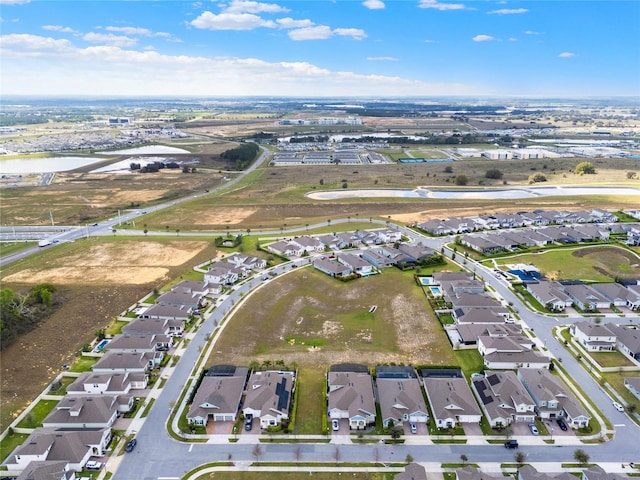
{"x": 101, "y": 345}
{"x": 435, "y": 291}
{"x": 425, "y": 280}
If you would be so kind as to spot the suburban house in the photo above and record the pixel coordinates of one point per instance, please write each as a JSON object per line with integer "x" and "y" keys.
{"x": 115, "y": 383}
{"x": 553, "y": 399}
{"x": 468, "y": 333}
{"x": 192, "y": 286}
{"x": 356, "y": 264}
{"x": 167, "y": 312}
{"x": 180, "y": 298}
{"x": 596, "y": 472}
{"x": 412, "y": 471}
{"x": 628, "y": 340}
{"x": 503, "y": 398}
{"x": 138, "y": 343}
{"x": 93, "y": 411}
{"x": 551, "y": 295}
{"x": 476, "y": 315}
{"x": 451, "y": 401}
{"x": 65, "y": 445}
{"x": 586, "y": 298}
{"x": 268, "y": 397}
{"x": 140, "y": 362}
{"x": 219, "y": 395}
{"x": 418, "y": 253}
{"x": 153, "y": 326}
{"x": 513, "y": 360}
{"x": 400, "y": 396}
{"x": 530, "y": 473}
{"x": 285, "y": 249}
{"x": 331, "y": 267}
{"x": 633, "y": 385}
{"x": 615, "y": 293}
{"x": 246, "y": 262}
{"x": 473, "y": 473}
{"x": 308, "y": 244}
{"x": 52, "y": 470}
{"x": 222, "y": 273}
{"x": 594, "y": 337}
{"x": 350, "y": 395}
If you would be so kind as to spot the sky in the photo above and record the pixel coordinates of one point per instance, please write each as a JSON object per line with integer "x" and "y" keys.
{"x": 416, "y": 48}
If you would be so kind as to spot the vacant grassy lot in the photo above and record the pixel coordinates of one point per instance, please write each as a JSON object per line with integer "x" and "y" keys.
{"x": 312, "y": 321}
{"x": 591, "y": 263}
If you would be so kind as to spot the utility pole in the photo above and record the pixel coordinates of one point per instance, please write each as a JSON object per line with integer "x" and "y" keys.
{"x": 51, "y": 217}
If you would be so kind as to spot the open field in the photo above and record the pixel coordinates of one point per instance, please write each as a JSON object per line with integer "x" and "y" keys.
{"x": 94, "y": 291}
{"x": 594, "y": 263}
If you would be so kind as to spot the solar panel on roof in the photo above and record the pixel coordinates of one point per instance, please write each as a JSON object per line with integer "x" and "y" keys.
{"x": 493, "y": 380}
{"x": 481, "y": 389}
{"x": 283, "y": 395}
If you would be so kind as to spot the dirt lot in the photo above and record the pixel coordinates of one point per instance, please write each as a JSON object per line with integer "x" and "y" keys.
{"x": 96, "y": 285}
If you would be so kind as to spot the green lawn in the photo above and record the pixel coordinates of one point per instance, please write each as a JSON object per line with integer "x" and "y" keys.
{"x": 38, "y": 413}
{"x": 611, "y": 359}
{"x": 311, "y": 402}
{"x": 243, "y": 475}
{"x": 10, "y": 443}
{"x": 470, "y": 361}
{"x": 589, "y": 263}
{"x": 83, "y": 364}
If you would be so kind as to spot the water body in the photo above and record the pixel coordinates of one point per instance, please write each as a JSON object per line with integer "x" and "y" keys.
{"x": 501, "y": 194}
{"x": 146, "y": 150}
{"x": 24, "y": 166}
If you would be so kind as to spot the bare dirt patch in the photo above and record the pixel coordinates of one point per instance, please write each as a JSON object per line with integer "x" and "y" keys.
{"x": 134, "y": 263}
{"x": 224, "y": 216}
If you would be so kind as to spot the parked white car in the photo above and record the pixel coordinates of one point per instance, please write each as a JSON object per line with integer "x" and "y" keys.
{"x": 618, "y": 407}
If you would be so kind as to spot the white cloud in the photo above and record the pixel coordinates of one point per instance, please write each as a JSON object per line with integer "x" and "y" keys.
{"x": 355, "y": 33}
{"x": 111, "y": 70}
{"x": 230, "y": 21}
{"x": 58, "y": 28}
{"x": 508, "y": 11}
{"x": 289, "y": 22}
{"x": 483, "y": 38}
{"x": 567, "y": 55}
{"x": 14, "y": 2}
{"x": 382, "y": 59}
{"x": 109, "y": 39}
{"x": 138, "y": 31}
{"x": 531, "y": 32}
{"x": 430, "y": 41}
{"x": 374, "y": 4}
{"x": 245, "y": 6}
{"x": 440, "y": 6}
{"x": 323, "y": 32}
{"x": 513, "y": 39}
{"x": 318, "y": 32}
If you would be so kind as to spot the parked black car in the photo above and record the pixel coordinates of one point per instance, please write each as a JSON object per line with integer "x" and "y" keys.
{"x": 511, "y": 444}
{"x": 562, "y": 425}
{"x": 131, "y": 445}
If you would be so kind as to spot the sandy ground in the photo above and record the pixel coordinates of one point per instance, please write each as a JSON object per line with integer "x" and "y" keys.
{"x": 114, "y": 263}
{"x": 225, "y": 216}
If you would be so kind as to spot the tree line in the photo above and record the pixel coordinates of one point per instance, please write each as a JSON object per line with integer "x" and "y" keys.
{"x": 21, "y": 313}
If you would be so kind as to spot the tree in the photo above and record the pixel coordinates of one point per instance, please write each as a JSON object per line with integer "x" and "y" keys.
{"x": 631, "y": 175}
{"x": 448, "y": 169}
{"x": 256, "y": 451}
{"x": 462, "y": 180}
{"x": 177, "y": 231}
{"x": 537, "y": 178}
{"x": 145, "y": 232}
{"x": 519, "y": 458}
{"x": 585, "y": 168}
{"x": 493, "y": 173}
{"x": 464, "y": 458}
{"x": 581, "y": 456}
{"x": 396, "y": 432}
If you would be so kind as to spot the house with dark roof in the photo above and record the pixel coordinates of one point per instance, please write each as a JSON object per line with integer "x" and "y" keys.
{"x": 586, "y": 298}
{"x": 473, "y": 473}
{"x": 551, "y": 295}
{"x": 218, "y": 397}
{"x": 413, "y": 471}
{"x": 138, "y": 343}
{"x": 401, "y": 401}
{"x": 633, "y": 385}
{"x": 153, "y": 326}
{"x": 140, "y": 362}
{"x": 268, "y": 397}
{"x": 596, "y": 472}
{"x": 52, "y": 470}
{"x": 331, "y": 267}
{"x": 356, "y": 264}
{"x": 451, "y": 402}
{"x": 167, "y": 312}
{"x": 553, "y": 399}
{"x": 350, "y": 395}
{"x": 503, "y": 398}
{"x": 91, "y": 411}
{"x": 627, "y": 340}
{"x": 530, "y": 473}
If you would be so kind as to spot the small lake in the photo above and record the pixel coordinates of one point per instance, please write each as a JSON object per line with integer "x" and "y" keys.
{"x": 500, "y": 194}
{"x": 24, "y": 166}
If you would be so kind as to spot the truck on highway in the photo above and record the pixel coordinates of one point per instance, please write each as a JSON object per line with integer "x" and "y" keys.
{"x": 44, "y": 243}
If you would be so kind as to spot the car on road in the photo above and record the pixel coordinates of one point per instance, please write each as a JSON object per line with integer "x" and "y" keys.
{"x": 511, "y": 444}
{"x": 131, "y": 445}
{"x": 414, "y": 427}
{"x": 335, "y": 424}
{"x": 561, "y": 423}
{"x": 93, "y": 465}
{"x": 534, "y": 429}
{"x": 618, "y": 407}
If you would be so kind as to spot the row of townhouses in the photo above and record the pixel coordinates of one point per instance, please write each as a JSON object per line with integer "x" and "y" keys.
{"x": 557, "y": 296}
